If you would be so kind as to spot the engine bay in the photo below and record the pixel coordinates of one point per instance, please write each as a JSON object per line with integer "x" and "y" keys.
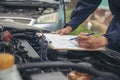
{"x": 32, "y": 52}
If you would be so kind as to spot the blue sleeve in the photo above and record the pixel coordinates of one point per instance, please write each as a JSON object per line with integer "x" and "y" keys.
{"x": 83, "y": 9}
{"x": 113, "y": 34}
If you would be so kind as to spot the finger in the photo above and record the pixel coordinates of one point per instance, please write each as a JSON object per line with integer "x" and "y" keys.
{"x": 61, "y": 32}
{"x": 80, "y": 37}
{"x": 83, "y": 45}
{"x": 58, "y": 31}
{"x": 88, "y": 46}
{"x": 83, "y": 33}
{"x": 90, "y": 41}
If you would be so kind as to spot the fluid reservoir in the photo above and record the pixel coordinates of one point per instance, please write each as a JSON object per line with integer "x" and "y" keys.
{"x": 8, "y": 69}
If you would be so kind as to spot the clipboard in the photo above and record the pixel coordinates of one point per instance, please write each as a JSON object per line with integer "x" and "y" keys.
{"x": 63, "y": 42}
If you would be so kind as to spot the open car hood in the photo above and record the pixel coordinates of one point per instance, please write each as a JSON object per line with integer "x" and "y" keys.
{"x": 33, "y": 12}
{"x": 26, "y": 8}
{"x": 30, "y": 3}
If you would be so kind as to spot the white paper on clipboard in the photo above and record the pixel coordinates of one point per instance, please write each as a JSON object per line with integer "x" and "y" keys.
{"x": 63, "y": 42}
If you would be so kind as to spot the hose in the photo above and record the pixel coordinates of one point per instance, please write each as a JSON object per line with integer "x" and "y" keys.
{"x": 82, "y": 67}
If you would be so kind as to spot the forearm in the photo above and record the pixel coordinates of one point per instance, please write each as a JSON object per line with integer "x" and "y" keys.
{"x": 83, "y": 9}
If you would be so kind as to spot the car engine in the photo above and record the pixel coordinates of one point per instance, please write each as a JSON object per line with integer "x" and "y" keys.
{"x": 32, "y": 52}
{"x": 23, "y": 44}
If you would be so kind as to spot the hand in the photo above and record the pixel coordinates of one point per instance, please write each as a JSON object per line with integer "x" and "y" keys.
{"x": 91, "y": 42}
{"x": 64, "y": 31}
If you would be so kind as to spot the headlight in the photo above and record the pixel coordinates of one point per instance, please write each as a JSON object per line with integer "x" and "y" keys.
{"x": 48, "y": 18}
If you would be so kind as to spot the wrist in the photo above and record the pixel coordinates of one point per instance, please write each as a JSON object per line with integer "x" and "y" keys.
{"x": 69, "y": 28}
{"x": 103, "y": 41}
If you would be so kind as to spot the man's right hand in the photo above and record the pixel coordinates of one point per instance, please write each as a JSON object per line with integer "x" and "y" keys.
{"x": 64, "y": 31}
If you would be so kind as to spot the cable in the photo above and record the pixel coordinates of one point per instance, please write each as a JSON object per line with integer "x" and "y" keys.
{"x": 43, "y": 44}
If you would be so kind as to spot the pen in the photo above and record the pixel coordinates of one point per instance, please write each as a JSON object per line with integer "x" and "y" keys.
{"x": 85, "y": 35}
